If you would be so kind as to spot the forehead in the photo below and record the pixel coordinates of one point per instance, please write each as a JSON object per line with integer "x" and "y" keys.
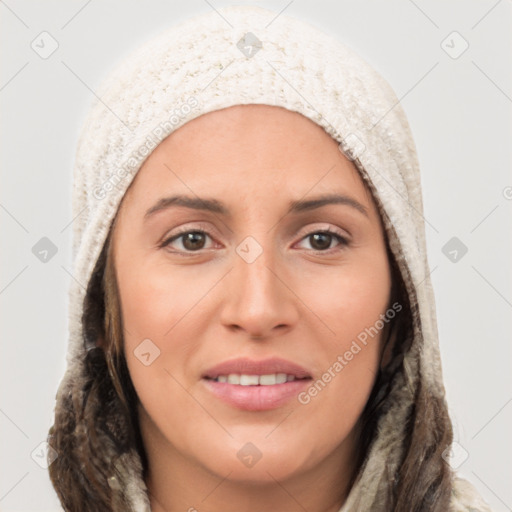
{"x": 256, "y": 129}
{"x": 249, "y": 151}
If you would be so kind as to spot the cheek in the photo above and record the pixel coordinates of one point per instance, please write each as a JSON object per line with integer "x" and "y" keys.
{"x": 160, "y": 309}
{"x": 349, "y": 298}
{"x": 155, "y": 299}
{"x": 352, "y": 301}
{"x": 159, "y": 337}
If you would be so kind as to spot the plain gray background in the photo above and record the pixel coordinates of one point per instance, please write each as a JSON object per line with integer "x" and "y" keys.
{"x": 459, "y": 107}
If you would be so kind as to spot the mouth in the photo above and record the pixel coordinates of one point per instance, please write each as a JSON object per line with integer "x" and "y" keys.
{"x": 256, "y": 385}
{"x": 243, "y": 379}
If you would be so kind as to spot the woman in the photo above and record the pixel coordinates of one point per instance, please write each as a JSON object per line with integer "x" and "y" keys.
{"x": 253, "y": 324}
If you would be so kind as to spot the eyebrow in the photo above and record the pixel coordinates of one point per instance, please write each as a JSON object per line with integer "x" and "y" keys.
{"x": 215, "y": 206}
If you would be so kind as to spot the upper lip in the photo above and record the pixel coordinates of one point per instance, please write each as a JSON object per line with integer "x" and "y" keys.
{"x": 251, "y": 367}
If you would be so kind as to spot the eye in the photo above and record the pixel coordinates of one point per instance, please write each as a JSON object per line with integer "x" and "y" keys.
{"x": 322, "y": 241}
{"x": 189, "y": 241}
{"x": 196, "y": 240}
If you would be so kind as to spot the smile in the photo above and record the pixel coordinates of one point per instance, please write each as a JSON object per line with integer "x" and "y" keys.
{"x": 256, "y": 385}
{"x": 255, "y": 380}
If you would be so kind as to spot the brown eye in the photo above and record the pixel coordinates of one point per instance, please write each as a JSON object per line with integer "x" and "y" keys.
{"x": 194, "y": 240}
{"x": 190, "y": 241}
{"x": 322, "y": 241}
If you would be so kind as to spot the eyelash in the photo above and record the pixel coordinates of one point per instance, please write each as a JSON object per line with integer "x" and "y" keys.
{"x": 342, "y": 241}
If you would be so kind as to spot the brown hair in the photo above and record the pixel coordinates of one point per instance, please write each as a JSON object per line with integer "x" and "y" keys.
{"x": 96, "y": 424}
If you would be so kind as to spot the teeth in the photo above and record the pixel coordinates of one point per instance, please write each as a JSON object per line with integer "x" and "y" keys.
{"x": 255, "y": 380}
{"x": 233, "y": 378}
{"x": 280, "y": 378}
{"x": 267, "y": 380}
{"x": 249, "y": 380}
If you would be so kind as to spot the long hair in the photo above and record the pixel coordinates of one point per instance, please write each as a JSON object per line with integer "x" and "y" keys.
{"x": 96, "y": 424}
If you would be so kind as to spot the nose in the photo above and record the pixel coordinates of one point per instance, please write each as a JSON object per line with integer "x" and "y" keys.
{"x": 260, "y": 302}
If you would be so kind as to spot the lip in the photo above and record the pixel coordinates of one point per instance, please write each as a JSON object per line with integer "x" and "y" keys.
{"x": 256, "y": 398}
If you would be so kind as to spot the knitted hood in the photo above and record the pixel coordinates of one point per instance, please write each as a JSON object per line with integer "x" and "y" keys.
{"x": 243, "y": 57}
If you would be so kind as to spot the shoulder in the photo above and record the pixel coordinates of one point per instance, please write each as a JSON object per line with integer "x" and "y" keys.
{"x": 465, "y": 498}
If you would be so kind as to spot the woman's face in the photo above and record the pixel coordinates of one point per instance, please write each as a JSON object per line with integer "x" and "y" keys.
{"x": 254, "y": 279}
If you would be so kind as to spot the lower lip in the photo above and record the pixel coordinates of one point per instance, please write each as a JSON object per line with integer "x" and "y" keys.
{"x": 256, "y": 398}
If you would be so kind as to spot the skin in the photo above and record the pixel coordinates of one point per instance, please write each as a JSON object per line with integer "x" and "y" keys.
{"x": 299, "y": 300}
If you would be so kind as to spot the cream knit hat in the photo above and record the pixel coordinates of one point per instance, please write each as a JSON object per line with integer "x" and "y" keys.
{"x": 243, "y": 57}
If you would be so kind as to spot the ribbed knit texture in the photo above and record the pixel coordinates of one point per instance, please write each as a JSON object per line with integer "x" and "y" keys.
{"x": 197, "y": 67}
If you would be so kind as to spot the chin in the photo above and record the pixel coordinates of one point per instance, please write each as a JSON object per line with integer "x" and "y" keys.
{"x": 266, "y": 470}
{"x": 261, "y": 461}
